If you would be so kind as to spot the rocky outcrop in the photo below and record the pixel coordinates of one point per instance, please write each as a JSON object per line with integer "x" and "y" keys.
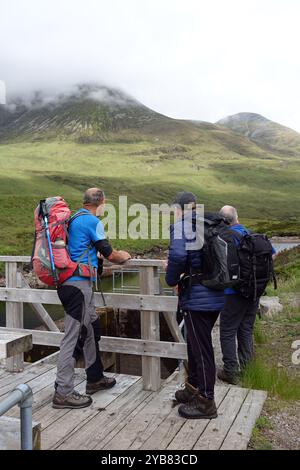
{"x": 270, "y": 306}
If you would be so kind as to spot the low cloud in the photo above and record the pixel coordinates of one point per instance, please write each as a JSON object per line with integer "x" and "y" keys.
{"x": 189, "y": 59}
{"x": 2, "y": 92}
{"x": 38, "y": 98}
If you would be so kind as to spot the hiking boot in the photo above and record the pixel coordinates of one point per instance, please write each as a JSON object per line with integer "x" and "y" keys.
{"x": 186, "y": 394}
{"x": 73, "y": 401}
{"x": 232, "y": 378}
{"x": 102, "y": 384}
{"x": 198, "y": 408}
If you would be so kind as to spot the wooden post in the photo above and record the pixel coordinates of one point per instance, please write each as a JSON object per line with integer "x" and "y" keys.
{"x": 38, "y": 308}
{"x": 14, "y": 315}
{"x": 150, "y": 329}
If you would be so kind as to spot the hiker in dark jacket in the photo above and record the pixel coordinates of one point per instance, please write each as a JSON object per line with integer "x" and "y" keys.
{"x": 201, "y": 307}
{"x": 237, "y": 318}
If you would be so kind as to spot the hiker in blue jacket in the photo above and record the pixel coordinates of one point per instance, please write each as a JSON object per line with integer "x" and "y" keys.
{"x": 237, "y": 318}
{"x": 201, "y": 307}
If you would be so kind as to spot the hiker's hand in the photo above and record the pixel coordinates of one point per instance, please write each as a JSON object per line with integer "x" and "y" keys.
{"x": 165, "y": 264}
{"x": 119, "y": 257}
{"x": 124, "y": 256}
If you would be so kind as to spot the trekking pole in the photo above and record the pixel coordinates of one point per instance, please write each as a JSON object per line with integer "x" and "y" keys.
{"x": 45, "y": 217}
{"x": 101, "y": 292}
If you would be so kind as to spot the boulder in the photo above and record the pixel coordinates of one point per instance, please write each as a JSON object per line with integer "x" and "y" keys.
{"x": 270, "y": 306}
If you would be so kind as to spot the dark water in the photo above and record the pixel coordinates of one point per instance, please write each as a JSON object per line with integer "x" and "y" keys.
{"x": 284, "y": 246}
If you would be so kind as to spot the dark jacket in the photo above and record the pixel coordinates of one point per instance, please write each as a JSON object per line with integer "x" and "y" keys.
{"x": 181, "y": 260}
{"x": 242, "y": 231}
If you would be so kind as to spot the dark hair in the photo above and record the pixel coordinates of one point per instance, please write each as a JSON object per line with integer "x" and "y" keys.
{"x": 185, "y": 198}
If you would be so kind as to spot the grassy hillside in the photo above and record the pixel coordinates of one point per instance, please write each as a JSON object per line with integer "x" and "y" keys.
{"x": 269, "y": 135}
{"x": 265, "y": 189}
{"x": 91, "y": 114}
{"x": 287, "y": 266}
{"x": 98, "y": 136}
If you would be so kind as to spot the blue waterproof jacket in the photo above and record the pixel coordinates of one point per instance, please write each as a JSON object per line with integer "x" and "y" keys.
{"x": 181, "y": 260}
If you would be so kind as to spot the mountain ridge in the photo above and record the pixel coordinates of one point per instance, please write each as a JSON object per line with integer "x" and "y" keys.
{"x": 269, "y": 135}
{"x": 91, "y": 113}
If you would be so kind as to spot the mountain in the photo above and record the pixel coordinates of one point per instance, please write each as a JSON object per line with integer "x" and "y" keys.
{"x": 84, "y": 112}
{"x": 44, "y": 151}
{"x": 267, "y": 134}
{"x": 92, "y": 113}
{"x": 88, "y": 113}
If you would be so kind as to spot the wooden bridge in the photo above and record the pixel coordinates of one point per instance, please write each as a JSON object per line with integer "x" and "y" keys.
{"x": 139, "y": 412}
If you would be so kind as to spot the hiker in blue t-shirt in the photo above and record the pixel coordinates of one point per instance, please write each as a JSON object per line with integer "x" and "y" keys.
{"x": 82, "y": 325}
{"x": 237, "y": 318}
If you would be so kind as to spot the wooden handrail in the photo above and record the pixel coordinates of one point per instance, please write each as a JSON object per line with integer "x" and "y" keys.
{"x": 132, "y": 263}
{"x": 149, "y": 302}
{"x": 156, "y": 303}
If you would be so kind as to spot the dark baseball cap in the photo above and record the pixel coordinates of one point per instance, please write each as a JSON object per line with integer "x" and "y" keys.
{"x": 184, "y": 198}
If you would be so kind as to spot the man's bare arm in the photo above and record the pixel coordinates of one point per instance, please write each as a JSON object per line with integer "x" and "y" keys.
{"x": 114, "y": 256}
{"x": 119, "y": 257}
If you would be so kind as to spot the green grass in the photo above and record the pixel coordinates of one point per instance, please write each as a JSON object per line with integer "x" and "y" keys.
{"x": 265, "y": 192}
{"x": 272, "y": 369}
{"x": 287, "y": 268}
{"x": 257, "y": 375}
{"x": 258, "y": 440}
{"x": 263, "y": 373}
{"x": 259, "y": 335}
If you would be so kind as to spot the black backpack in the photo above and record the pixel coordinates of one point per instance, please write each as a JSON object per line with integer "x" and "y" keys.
{"x": 247, "y": 266}
{"x": 256, "y": 265}
{"x": 220, "y": 260}
{"x": 220, "y": 265}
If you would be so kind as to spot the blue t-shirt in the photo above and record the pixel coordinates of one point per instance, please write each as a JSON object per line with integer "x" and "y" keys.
{"x": 243, "y": 231}
{"x": 84, "y": 230}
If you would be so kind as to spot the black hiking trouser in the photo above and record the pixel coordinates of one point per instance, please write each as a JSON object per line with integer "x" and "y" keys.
{"x": 236, "y": 325}
{"x": 201, "y": 359}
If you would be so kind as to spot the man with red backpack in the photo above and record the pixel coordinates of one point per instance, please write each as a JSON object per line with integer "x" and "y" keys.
{"x": 86, "y": 239}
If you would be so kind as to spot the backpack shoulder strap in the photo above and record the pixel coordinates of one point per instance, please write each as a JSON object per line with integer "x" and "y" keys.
{"x": 86, "y": 251}
{"x": 236, "y": 234}
{"x": 78, "y": 214}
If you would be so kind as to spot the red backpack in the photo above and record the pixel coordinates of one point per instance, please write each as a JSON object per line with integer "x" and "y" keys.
{"x": 50, "y": 257}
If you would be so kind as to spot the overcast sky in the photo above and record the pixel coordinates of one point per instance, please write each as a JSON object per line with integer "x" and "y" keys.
{"x": 194, "y": 59}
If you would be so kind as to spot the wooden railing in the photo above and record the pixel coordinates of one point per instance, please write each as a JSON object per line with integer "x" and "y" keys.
{"x": 149, "y": 302}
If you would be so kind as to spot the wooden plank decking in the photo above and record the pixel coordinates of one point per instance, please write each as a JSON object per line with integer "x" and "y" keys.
{"x": 128, "y": 417}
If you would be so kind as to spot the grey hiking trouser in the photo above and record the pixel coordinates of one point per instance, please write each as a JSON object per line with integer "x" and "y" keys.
{"x": 236, "y": 324}
{"x": 82, "y": 334}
